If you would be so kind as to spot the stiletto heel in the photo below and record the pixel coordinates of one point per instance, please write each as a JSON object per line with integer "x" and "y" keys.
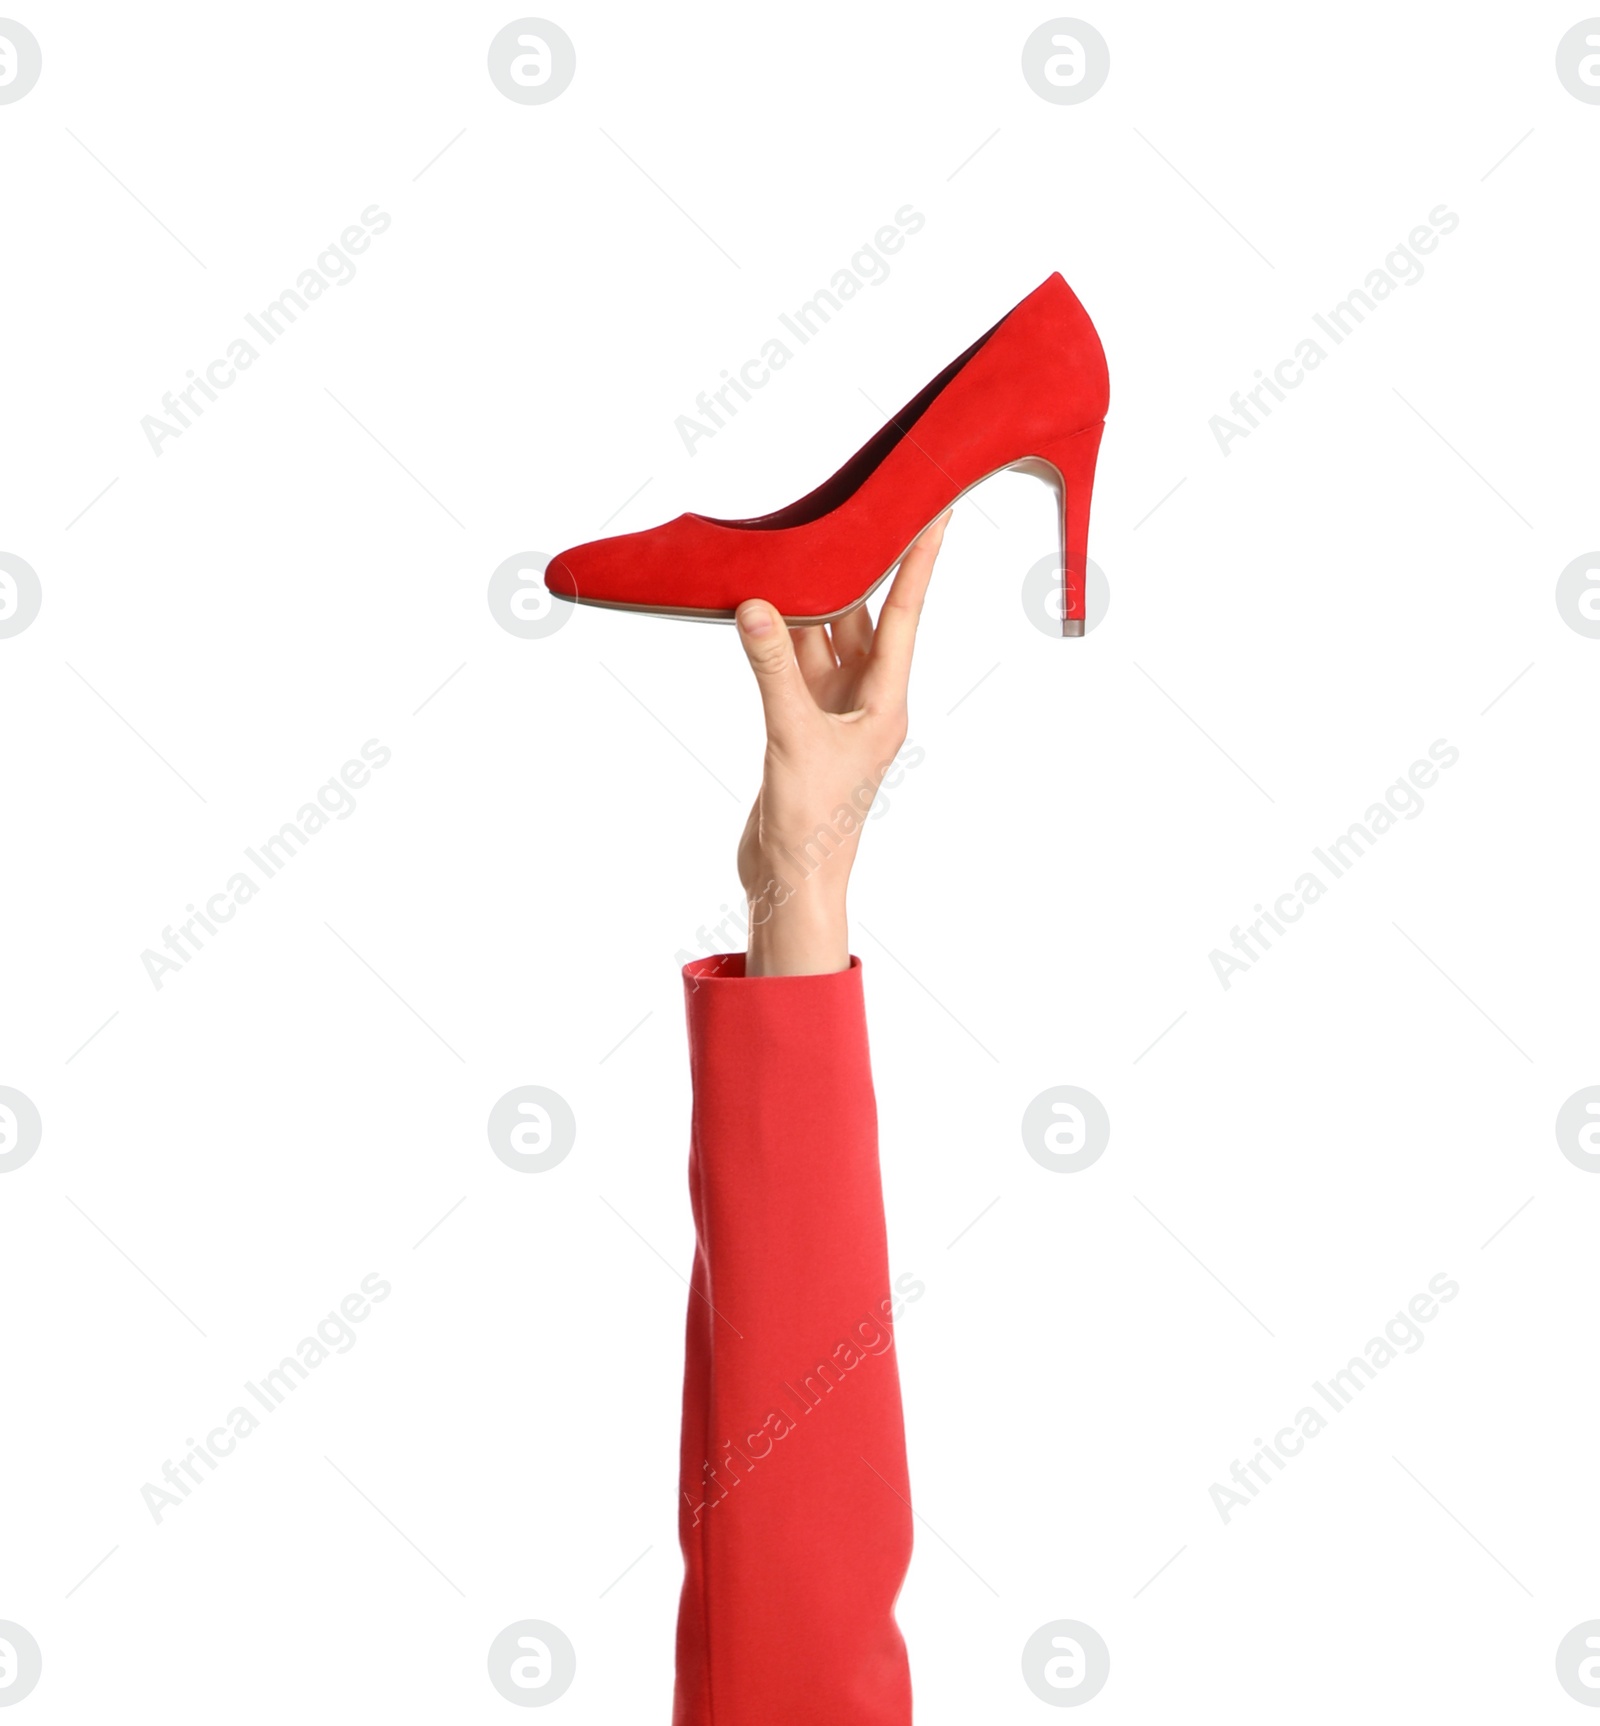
{"x": 1068, "y": 467}
{"x": 1030, "y": 393}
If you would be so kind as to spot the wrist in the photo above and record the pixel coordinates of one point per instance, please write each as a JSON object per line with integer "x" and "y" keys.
{"x": 797, "y": 931}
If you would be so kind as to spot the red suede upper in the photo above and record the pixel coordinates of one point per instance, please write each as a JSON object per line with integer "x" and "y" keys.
{"x": 1035, "y": 381}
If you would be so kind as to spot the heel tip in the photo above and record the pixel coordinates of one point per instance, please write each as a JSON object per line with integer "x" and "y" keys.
{"x": 1072, "y": 626}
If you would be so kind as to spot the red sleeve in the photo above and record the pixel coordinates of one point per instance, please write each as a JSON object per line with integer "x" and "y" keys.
{"x": 795, "y": 1517}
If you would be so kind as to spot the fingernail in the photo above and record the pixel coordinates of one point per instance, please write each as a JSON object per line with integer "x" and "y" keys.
{"x": 754, "y": 619}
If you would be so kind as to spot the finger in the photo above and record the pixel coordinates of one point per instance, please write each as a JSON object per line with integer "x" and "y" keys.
{"x": 889, "y": 672}
{"x": 812, "y": 650}
{"x": 852, "y": 634}
{"x": 785, "y": 700}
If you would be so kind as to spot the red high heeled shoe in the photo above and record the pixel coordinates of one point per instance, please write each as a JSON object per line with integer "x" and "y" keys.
{"x": 1029, "y": 394}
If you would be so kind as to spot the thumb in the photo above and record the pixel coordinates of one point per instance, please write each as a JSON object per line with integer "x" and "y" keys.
{"x": 765, "y": 637}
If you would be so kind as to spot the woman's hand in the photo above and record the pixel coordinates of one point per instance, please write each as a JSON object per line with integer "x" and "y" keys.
{"x": 834, "y": 697}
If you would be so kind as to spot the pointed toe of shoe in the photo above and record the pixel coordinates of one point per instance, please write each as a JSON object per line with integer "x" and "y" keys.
{"x": 633, "y": 571}
{"x": 698, "y": 567}
{"x": 590, "y": 574}
{"x": 560, "y": 578}
{"x": 599, "y": 572}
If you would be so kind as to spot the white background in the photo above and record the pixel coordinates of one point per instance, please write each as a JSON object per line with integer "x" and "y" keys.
{"x": 1289, "y": 630}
